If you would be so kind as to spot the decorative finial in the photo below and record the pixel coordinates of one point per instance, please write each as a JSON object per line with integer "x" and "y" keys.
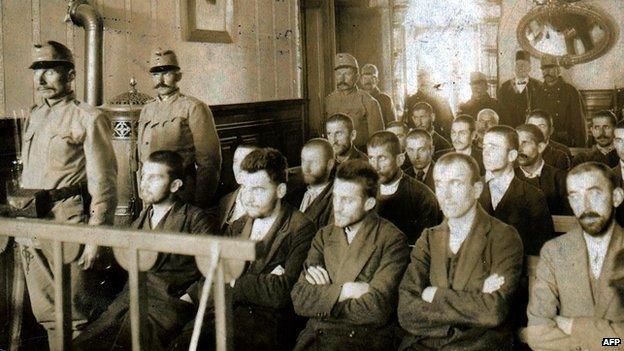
{"x": 133, "y": 84}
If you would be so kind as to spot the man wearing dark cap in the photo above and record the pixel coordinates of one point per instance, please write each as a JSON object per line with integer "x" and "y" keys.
{"x": 480, "y": 98}
{"x": 61, "y": 137}
{"x": 347, "y": 99}
{"x": 181, "y": 123}
{"x": 517, "y": 95}
{"x": 564, "y": 104}
{"x": 427, "y": 93}
{"x": 368, "y": 81}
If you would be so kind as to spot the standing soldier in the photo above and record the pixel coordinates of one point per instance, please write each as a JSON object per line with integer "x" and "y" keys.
{"x": 66, "y": 145}
{"x": 564, "y": 104}
{"x": 369, "y": 82}
{"x": 347, "y": 99}
{"x": 517, "y": 95}
{"x": 180, "y": 123}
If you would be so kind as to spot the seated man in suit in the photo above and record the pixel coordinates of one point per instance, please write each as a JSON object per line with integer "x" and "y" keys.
{"x": 404, "y": 201}
{"x": 618, "y": 142}
{"x": 555, "y": 154}
{"x": 510, "y": 199}
{"x": 572, "y": 305}
{"x": 314, "y": 199}
{"x": 463, "y": 135}
{"x": 459, "y": 285}
{"x": 423, "y": 117}
{"x": 348, "y": 288}
{"x": 261, "y": 306}
{"x": 603, "y": 123}
{"x": 533, "y": 170}
{"x": 419, "y": 149}
{"x": 230, "y": 207}
{"x": 341, "y": 134}
{"x": 171, "y": 275}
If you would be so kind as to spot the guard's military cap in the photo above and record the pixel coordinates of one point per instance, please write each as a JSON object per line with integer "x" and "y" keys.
{"x": 549, "y": 61}
{"x": 370, "y": 69}
{"x": 51, "y": 54}
{"x": 522, "y": 55}
{"x": 477, "y": 77}
{"x": 163, "y": 60}
{"x": 345, "y": 60}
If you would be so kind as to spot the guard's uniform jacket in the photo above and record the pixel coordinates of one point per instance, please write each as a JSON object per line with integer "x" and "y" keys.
{"x": 185, "y": 125}
{"x": 66, "y": 142}
{"x": 363, "y": 109}
{"x": 565, "y": 105}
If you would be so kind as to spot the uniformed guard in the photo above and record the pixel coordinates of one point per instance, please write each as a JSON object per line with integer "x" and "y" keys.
{"x": 181, "y": 123}
{"x": 369, "y": 80}
{"x": 480, "y": 99}
{"x": 347, "y": 99}
{"x": 66, "y": 142}
{"x": 564, "y": 104}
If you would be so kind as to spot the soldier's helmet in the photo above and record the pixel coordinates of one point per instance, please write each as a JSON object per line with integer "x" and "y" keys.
{"x": 163, "y": 60}
{"x": 370, "y": 69}
{"x": 345, "y": 60}
{"x": 51, "y": 54}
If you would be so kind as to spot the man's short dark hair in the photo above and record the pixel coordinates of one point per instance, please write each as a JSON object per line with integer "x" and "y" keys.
{"x": 386, "y": 139}
{"x": 341, "y": 118}
{"x": 424, "y": 106}
{"x": 420, "y": 133}
{"x": 399, "y": 124}
{"x": 593, "y": 166}
{"x": 269, "y": 160}
{"x": 605, "y": 114}
{"x": 543, "y": 114}
{"x": 360, "y": 172}
{"x": 508, "y": 133}
{"x": 324, "y": 145}
{"x": 171, "y": 159}
{"x": 453, "y": 157}
{"x": 536, "y": 133}
{"x": 468, "y": 119}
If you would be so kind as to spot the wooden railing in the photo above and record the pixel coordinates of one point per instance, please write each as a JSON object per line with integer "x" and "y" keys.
{"x": 133, "y": 242}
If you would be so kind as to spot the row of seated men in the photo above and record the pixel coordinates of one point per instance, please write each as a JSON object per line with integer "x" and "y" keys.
{"x": 335, "y": 270}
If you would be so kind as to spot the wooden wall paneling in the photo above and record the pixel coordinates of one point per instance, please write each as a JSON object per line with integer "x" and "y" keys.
{"x": 266, "y": 46}
{"x": 115, "y": 73}
{"x": 138, "y": 47}
{"x": 284, "y": 35}
{"x": 17, "y": 51}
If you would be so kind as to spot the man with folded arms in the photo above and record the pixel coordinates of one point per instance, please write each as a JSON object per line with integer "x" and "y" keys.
{"x": 348, "y": 288}
{"x": 459, "y": 285}
{"x": 573, "y": 304}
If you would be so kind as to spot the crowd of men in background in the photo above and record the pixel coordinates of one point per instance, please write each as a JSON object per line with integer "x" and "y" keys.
{"x": 389, "y": 235}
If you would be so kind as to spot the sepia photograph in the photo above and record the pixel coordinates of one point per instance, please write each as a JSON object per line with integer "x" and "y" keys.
{"x": 311, "y": 175}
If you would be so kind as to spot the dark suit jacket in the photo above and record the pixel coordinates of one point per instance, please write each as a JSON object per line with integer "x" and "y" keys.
{"x": 565, "y": 105}
{"x": 428, "y": 180}
{"x": 412, "y": 208}
{"x": 552, "y": 182}
{"x": 461, "y": 316}
{"x": 378, "y": 256}
{"x": 262, "y": 307}
{"x": 516, "y": 105}
{"x": 556, "y": 157}
{"x": 441, "y": 108}
{"x": 166, "y": 282}
{"x": 560, "y": 146}
{"x": 321, "y": 210}
{"x": 223, "y": 208}
{"x": 439, "y": 142}
{"x": 525, "y": 208}
{"x": 354, "y": 154}
{"x": 619, "y": 211}
{"x": 611, "y": 159}
{"x": 563, "y": 288}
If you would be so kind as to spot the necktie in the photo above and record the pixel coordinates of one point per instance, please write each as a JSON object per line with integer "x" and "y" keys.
{"x": 420, "y": 175}
{"x": 307, "y": 199}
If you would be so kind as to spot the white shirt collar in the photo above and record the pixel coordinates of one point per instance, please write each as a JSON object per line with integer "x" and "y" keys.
{"x": 391, "y": 188}
{"x": 317, "y": 188}
{"x": 261, "y": 226}
{"x": 597, "y": 250}
{"x": 536, "y": 174}
{"x": 467, "y": 151}
{"x": 459, "y": 229}
{"x": 605, "y": 150}
{"x": 498, "y": 185}
{"x": 352, "y": 230}
{"x": 311, "y": 194}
